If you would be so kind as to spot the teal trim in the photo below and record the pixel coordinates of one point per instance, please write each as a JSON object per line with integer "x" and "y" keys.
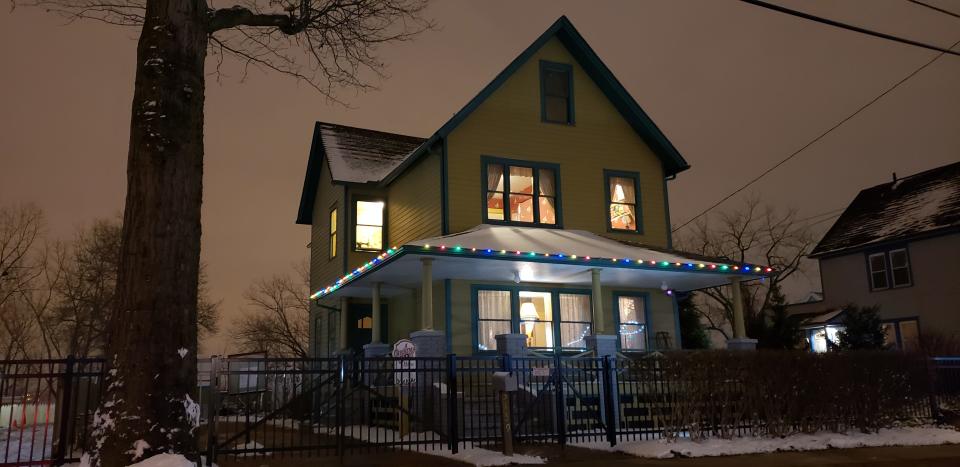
{"x": 666, "y": 211}
{"x": 648, "y": 325}
{"x": 563, "y": 68}
{"x": 635, "y": 176}
{"x": 507, "y": 163}
{"x": 444, "y": 192}
{"x": 448, "y": 314}
{"x": 563, "y": 30}
{"x": 348, "y": 232}
{"x": 676, "y": 320}
{"x": 311, "y": 179}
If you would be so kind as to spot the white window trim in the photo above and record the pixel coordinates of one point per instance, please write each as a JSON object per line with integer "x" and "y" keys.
{"x": 893, "y": 280}
{"x": 886, "y": 272}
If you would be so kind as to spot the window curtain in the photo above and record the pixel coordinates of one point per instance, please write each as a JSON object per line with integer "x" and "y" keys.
{"x": 575, "y": 320}
{"x": 493, "y": 309}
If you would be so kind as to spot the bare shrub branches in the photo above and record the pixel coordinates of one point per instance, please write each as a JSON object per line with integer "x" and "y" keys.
{"x": 277, "y": 321}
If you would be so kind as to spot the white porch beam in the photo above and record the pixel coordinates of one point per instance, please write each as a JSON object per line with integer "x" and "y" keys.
{"x": 426, "y": 293}
{"x": 376, "y": 338}
{"x": 739, "y": 327}
{"x": 597, "y": 302}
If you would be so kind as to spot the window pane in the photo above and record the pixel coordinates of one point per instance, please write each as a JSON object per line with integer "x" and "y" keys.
{"x": 521, "y": 208}
{"x": 574, "y": 307}
{"x": 493, "y": 304}
{"x": 333, "y": 245}
{"x": 555, "y": 109}
{"x": 632, "y": 310}
{"x": 889, "y": 335}
{"x": 547, "y": 182}
{"x": 556, "y": 83}
{"x": 370, "y": 213}
{"x": 494, "y": 177}
{"x": 369, "y": 237}
{"x": 548, "y": 212}
{"x": 539, "y": 333}
{"x": 877, "y": 263}
{"x": 879, "y": 280}
{"x": 536, "y": 318}
{"x": 521, "y": 180}
{"x": 495, "y": 206}
{"x": 623, "y": 216}
{"x": 901, "y": 277}
{"x": 572, "y": 334}
{"x": 633, "y": 337}
{"x": 898, "y": 259}
{"x": 622, "y": 190}
{"x": 333, "y": 221}
{"x": 909, "y": 335}
{"x": 487, "y": 332}
{"x": 633, "y": 328}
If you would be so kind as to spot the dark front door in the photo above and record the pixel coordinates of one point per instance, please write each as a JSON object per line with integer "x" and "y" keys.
{"x": 360, "y": 324}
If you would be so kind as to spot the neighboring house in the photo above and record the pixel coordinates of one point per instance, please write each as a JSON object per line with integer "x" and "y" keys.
{"x": 538, "y": 211}
{"x": 896, "y": 246}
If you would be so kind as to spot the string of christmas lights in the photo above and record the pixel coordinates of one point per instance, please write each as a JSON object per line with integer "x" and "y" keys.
{"x": 560, "y": 258}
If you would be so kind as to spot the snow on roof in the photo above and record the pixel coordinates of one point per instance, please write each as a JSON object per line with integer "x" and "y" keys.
{"x": 919, "y": 204}
{"x": 359, "y": 155}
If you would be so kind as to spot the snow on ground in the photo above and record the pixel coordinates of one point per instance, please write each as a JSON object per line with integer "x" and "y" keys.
{"x": 165, "y": 460}
{"x": 25, "y": 444}
{"x": 663, "y": 449}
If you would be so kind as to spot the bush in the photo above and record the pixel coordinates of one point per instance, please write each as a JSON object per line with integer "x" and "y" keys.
{"x": 779, "y": 393}
{"x": 862, "y": 329}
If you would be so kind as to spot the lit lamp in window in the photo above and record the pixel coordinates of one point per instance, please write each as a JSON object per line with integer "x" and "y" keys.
{"x": 618, "y": 195}
{"x": 528, "y": 319}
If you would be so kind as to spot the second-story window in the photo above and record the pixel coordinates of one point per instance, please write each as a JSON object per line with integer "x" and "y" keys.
{"x": 900, "y": 267}
{"x": 623, "y": 204}
{"x": 368, "y": 235}
{"x": 520, "y": 193}
{"x": 556, "y": 93}
{"x": 878, "y": 271}
{"x": 333, "y": 233}
{"x": 889, "y": 269}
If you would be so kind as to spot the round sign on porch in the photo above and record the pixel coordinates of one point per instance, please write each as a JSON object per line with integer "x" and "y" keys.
{"x": 404, "y": 350}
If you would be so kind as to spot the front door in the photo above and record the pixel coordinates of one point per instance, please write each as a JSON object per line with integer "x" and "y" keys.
{"x": 360, "y": 324}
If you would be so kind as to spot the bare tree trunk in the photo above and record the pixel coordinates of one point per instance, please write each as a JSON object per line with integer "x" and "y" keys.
{"x": 152, "y": 341}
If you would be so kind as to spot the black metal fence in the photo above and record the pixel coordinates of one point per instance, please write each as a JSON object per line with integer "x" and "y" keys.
{"x": 269, "y": 407}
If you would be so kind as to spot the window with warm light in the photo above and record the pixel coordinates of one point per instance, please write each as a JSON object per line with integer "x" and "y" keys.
{"x": 552, "y": 320}
{"x": 493, "y": 317}
{"x": 623, "y": 201}
{"x": 520, "y": 193}
{"x": 368, "y": 235}
{"x": 632, "y": 314}
{"x": 333, "y": 233}
{"x": 536, "y": 319}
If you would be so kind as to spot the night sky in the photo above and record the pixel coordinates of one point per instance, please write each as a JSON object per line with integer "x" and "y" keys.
{"x": 735, "y": 87}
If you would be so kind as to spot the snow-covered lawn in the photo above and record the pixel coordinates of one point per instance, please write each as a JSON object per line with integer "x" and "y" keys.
{"x": 663, "y": 449}
{"x": 25, "y": 444}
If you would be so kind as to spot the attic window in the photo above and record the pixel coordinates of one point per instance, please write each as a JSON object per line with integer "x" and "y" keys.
{"x": 556, "y": 93}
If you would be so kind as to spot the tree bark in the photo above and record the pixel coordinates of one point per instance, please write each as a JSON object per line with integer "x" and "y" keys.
{"x": 152, "y": 341}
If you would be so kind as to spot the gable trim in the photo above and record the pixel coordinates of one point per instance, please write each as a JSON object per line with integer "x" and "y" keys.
{"x": 311, "y": 179}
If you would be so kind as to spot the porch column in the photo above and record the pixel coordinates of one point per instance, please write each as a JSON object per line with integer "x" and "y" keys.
{"x": 344, "y": 318}
{"x": 376, "y": 338}
{"x": 426, "y": 293}
{"x": 597, "y": 302}
{"x": 740, "y": 340}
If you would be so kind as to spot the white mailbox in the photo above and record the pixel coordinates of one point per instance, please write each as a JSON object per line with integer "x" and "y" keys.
{"x": 504, "y": 381}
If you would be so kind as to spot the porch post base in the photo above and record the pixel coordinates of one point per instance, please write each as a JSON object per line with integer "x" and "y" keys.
{"x": 511, "y": 344}
{"x": 376, "y": 349}
{"x": 429, "y": 343}
{"x": 602, "y": 345}
{"x": 742, "y": 344}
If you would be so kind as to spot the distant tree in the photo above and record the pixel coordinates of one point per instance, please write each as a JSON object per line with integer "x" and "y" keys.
{"x": 278, "y": 318}
{"x": 692, "y": 334}
{"x": 862, "y": 329}
{"x": 772, "y": 326}
{"x": 751, "y": 234}
{"x": 327, "y": 44}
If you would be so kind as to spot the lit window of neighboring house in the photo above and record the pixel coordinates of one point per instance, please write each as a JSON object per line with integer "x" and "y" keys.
{"x": 368, "y": 235}
{"x": 333, "y": 233}
{"x": 889, "y": 269}
{"x": 523, "y": 193}
{"x": 903, "y": 334}
{"x": 623, "y": 201}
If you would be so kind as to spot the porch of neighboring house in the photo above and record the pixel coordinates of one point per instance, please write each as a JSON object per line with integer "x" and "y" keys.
{"x": 542, "y": 290}
{"x": 822, "y": 331}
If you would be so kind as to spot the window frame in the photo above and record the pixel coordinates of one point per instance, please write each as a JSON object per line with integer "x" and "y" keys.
{"x": 567, "y": 68}
{"x": 353, "y": 223}
{"x": 485, "y": 161}
{"x": 871, "y": 272}
{"x": 898, "y": 339}
{"x": 886, "y": 255}
{"x": 638, "y": 206}
{"x": 617, "y": 294}
{"x": 515, "y": 314}
{"x": 906, "y": 255}
{"x": 333, "y": 232}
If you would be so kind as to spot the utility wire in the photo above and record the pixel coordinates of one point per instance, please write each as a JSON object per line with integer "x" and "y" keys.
{"x": 941, "y": 10}
{"x": 849, "y": 27}
{"x": 814, "y": 140}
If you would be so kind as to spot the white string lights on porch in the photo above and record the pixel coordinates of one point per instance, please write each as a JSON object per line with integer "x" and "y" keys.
{"x": 556, "y": 258}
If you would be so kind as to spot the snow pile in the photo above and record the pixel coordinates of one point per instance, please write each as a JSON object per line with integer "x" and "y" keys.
{"x": 663, "y": 449}
{"x": 165, "y": 460}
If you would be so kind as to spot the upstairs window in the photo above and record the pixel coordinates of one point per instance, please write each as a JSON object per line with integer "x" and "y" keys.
{"x": 878, "y": 271}
{"x": 900, "y": 267}
{"x": 368, "y": 235}
{"x": 520, "y": 193}
{"x": 333, "y": 233}
{"x": 623, "y": 205}
{"x": 889, "y": 269}
{"x": 556, "y": 93}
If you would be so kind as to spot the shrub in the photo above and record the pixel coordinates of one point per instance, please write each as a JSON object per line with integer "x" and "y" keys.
{"x": 862, "y": 329}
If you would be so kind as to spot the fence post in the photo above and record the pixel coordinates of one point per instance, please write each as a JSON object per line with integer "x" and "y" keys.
{"x": 213, "y": 410}
{"x": 452, "y": 421}
{"x": 65, "y": 412}
{"x": 932, "y": 390}
{"x": 609, "y": 402}
{"x": 560, "y": 402}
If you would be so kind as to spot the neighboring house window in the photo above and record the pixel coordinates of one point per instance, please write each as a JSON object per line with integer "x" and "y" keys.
{"x": 556, "y": 92}
{"x": 493, "y": 317}
{"x": 878, "y": 271}
{"x": 632, "y": 311}
{"x": 333, "y": 233}
{"x": 551, "y": 320}
{"x": 902, "y": 334}
{"x": 623, "y": 205}
{"x": 520, "y": 193}
{"x": 369, "y": 226}
{"x": 900, "y": 267}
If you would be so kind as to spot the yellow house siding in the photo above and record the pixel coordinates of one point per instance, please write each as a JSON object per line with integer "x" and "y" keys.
{"x": 414, "y": 210}
{"x": 323, "y": 269}
{"x": 507, "y": 124}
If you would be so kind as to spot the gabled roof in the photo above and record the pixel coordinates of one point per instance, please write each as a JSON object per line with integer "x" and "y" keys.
{"x": 354, "y": 155}
{"x": 926, "y": 203}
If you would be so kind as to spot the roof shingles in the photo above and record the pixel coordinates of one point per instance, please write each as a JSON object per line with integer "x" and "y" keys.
{"x": 359, "y": 155}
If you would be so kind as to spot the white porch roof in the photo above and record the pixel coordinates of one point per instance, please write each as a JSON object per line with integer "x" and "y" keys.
{"x": 540, "y": 256}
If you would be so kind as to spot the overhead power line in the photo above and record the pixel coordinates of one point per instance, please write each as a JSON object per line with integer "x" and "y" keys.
{"x": 814, "y": 140}
{"x": 935, "y": 8}
{"x": 849, "y": 27}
